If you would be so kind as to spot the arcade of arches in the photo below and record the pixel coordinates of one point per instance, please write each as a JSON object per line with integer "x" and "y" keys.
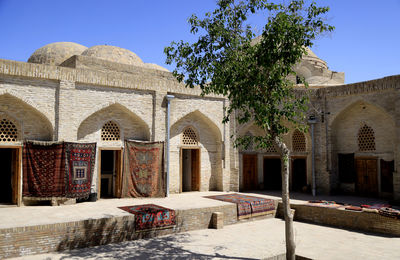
{"x": 91, "y": 95}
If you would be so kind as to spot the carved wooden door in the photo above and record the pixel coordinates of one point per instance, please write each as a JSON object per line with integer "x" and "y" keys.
{"x": 367, "y": 177}
{"x": 249, "y": 171}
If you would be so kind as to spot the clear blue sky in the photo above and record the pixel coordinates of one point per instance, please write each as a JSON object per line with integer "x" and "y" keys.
{"x": 365, "y": 44}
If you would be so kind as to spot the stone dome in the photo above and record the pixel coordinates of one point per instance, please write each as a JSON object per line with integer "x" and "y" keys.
{"x": 56, "y": 53}
{"x": 154, "y": 66}
{"x": 114, "y": 54}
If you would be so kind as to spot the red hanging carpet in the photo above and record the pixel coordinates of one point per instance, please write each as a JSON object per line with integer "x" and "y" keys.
{"x": 80, "y": 160}
{"x": 150, "y": 216}
{"x": 143, "y": 174}
{"x": 247, "y": 206}
{"x": 43, "y": 169}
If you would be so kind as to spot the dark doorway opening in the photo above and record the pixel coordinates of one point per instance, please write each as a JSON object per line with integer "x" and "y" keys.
{"x": 6, "y": 176}
{"x": 299, "y": 174}
{"x": 387, "y": 169}
{"x": 110, "y": 172}
{"x": 190, "y": 170}
{"x": 272, "y": 174}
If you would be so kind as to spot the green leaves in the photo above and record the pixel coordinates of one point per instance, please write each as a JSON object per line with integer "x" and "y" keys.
{"x": 253, "y": 75}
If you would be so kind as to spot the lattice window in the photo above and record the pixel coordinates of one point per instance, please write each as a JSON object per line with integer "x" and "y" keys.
{"x": 189, "y": 137}
{"x": 271, "y": 148}
{"x": 110, "y": 132}
{"x": 8, "y": 131}
{"x": 298, "y": 141}
{"x": 366, "y": 139}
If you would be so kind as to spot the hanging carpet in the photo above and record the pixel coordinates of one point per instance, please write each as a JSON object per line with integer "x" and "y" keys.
{"x": 43, "y": 169}
{"x": 143, "y": 173}
{"x": 80, "y": 160}
{"x": 150, "y": 216}
{"x": 247, "y": 206}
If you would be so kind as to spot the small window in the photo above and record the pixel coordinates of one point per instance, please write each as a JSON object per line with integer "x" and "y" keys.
{"x": 298, "y": 141}
{"x": 271, "y": 148}
{"x": 366, "y": 139}
{"x": 8, "y": 131}
{"x": 189, "y": 137}
{"x": 110, "y": 132}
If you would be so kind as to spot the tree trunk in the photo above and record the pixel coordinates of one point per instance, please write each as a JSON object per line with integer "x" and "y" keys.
{"x": 289, "y": 233}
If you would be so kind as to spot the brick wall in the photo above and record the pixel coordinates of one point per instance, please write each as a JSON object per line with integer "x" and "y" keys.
{"x": 29, "y": 240}
{"x": 363, "y": 221}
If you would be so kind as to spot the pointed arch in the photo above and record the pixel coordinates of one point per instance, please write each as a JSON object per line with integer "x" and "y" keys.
{"x": 359, "y": 103}
{"x": 346, "y": 126}
{"x": 131, "y": 126}
{"x": 30, "y": 122}
{"x": 33, "y": 106}
{"x": 199, "y": 121}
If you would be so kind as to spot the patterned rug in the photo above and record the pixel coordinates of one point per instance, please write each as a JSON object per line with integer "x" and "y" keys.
{"x": 325, "y": 204}
{"x": 143, "y": 174}
{"x": 43, "y": 169}
{"x": 80, "y": 160}
{"x": 247, "y": 206}
{"x": 150, "y": 216}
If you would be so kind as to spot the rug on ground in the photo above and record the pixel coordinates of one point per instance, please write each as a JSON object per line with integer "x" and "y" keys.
{"x": 150, "y": 216}
{"x": 247, "y": 206}
{"x": 43, "y": 169}
{"x": 143, "y": 174}
{"x": 80, "y": 159}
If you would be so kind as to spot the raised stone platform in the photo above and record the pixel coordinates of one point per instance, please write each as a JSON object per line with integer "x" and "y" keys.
{"x": 41, "y": 229}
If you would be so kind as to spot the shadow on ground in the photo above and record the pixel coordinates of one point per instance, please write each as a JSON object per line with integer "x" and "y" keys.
{"x": 168, "y": 247}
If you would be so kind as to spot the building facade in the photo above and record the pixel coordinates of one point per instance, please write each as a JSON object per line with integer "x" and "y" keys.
{"x": 105, "y": 94}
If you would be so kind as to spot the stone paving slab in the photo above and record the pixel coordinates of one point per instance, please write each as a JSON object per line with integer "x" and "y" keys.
{"x": 249, "y": 240}
{"x": 37, "y": 215}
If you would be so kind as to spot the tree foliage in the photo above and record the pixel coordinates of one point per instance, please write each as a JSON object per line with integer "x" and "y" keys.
{"x": 253, "y": 74}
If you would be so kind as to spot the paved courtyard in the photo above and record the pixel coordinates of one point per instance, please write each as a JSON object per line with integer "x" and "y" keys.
{"x": 249, "y": 240}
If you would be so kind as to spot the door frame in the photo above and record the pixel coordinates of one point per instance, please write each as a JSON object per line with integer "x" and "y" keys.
{"x": 17, "y": 180}
{"x": 180, "y": 165}
{"x": 116, "y": 192}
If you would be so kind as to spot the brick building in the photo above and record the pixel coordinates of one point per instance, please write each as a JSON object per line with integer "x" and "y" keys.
{"x": 106, "y": 94}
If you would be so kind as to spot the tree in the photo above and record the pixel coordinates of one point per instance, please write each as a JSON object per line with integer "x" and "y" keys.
{"x": 253, "y": 74}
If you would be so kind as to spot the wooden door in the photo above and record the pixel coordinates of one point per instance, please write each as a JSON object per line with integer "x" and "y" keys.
{"x": 249, "y": 171}
{"x": 387, "y": 169}
{"x": 118, "y": 173}
{"x": 195, "y": 169}
{"x": 346, "y": 168}
{"x": 367, "y": 177}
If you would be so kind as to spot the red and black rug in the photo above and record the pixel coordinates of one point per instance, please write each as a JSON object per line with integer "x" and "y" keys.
{"x": 247, "y": 206}
{"x": 151, "y": 216}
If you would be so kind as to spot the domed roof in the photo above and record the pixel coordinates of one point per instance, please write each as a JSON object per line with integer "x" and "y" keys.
{"x": 114, "y": 54}
{"x": 154, "y": 66}
{"x": 55, "y": 53}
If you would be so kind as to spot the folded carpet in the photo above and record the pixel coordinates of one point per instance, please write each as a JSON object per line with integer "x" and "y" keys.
{"x": 151, "y": 216}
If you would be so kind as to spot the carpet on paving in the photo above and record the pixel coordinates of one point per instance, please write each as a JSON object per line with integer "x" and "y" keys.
{"x": 151, "y": 216}
{"x": 247, "y": 206}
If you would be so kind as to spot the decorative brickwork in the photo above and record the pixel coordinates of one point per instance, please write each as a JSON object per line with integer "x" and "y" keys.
{"x": 366, "y": 139}
{"x": 110, "y": 132}
{"x": 8, "y": 131}
{"x": 298, "y": 141}
{"x": 189, "y": 137}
